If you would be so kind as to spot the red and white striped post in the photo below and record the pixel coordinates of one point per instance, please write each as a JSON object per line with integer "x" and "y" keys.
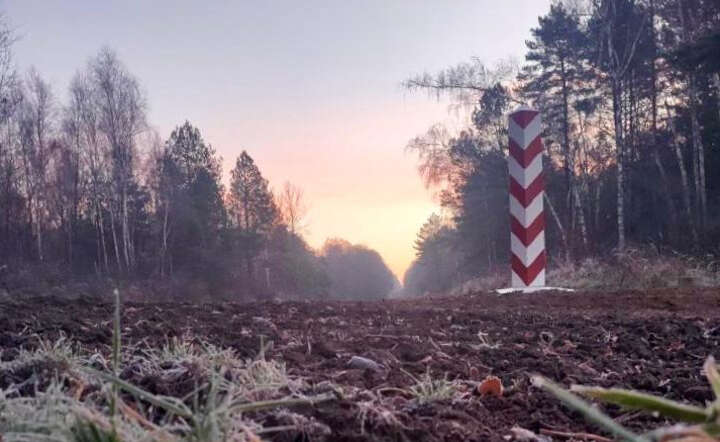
{"x": 527, "y": 218}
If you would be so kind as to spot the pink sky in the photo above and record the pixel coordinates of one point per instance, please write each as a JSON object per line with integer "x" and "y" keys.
{"x": 359, "y": 182}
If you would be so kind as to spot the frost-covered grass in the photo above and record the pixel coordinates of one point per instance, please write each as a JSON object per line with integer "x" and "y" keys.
{"x": 61, "y": 391}
{"x": 72, "y": 393}
{"x": 429, "y": 389}
{"x": 637, "y": 269}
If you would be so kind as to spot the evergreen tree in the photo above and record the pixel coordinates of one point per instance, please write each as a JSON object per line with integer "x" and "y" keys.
{"x": 437, "y": 259}
{"x": 191, "y": 210}
{"x": 558, "y": 80}
{"x": 252, "y": 210}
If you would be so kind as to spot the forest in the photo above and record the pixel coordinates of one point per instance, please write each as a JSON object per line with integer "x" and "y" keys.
{"x": 92, "y": 196}
{"x": 629, "y": 93}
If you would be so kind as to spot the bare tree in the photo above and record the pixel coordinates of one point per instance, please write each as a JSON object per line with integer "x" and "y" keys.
{"x": 82, "y": 129}
{"x": 8, "y": 75}
{"x": 9, "y": 169}
{"x": 120, "y": 106}
{"x": 68, "y": 179}
{"x": 292, "y": 205}
{"x": 35, "y": 125}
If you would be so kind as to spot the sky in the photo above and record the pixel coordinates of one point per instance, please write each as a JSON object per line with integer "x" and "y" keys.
{"x": 311, "y": 89}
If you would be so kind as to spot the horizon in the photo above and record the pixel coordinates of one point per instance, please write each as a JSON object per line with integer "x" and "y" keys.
{"x": 314, "y": 97}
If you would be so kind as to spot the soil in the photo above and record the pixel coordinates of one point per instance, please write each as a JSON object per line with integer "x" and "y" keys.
{"x": 655, "y": 341}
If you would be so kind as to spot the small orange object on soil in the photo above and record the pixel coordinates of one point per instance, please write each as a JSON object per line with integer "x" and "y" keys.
{"x": 491, "y": 385}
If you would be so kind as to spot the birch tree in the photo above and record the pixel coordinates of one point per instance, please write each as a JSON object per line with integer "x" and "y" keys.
{"x": 119, "y": 104}
{"x": 35, "y": 122}
{"x": 83, "y": 131}
{"x": 618, "y": 41}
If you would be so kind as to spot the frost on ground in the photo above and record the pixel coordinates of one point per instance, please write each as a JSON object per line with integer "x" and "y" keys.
{"x": 456, "y": 368}
{"x": 185, "y": 389}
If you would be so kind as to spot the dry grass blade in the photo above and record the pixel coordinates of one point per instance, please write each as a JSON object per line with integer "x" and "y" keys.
{"x": 116, "y": 348}
{"x": 276, "y": 403}
{"x": 169, "y": 404}
{"x": 573, "y": 436}
{"x": 683, "y": 433}
{"x": 641, "y": 401}
{"x": 591, "y": 413}
{"x": 711, "y": 372}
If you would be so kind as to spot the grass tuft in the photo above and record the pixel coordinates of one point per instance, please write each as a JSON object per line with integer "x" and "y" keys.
{"x": 696, "y": 423}
{"x": 429, "y": 389}
{"x": 92, "y": 399}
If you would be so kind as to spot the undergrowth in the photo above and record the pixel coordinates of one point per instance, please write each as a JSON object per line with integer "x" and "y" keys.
{"x": 637, "y": 269}
{"x": 634, "y": 268}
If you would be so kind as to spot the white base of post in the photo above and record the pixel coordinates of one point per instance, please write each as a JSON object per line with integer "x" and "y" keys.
{"x": 532, "y": 290}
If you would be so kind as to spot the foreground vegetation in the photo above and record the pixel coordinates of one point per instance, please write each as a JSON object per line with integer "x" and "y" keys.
{"x": 79, "y": 396}
{"x": 697, "y": 423}
{"x": 459, "y": 369}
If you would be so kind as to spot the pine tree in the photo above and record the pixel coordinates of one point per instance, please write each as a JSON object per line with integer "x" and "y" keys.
{"x": 252, "y": 210}
{"x": 556, "y": 79}
{"x": 436, "y": 256}
{"x": 191, "y": 209}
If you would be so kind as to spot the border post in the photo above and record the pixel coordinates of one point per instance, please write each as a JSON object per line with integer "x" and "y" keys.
{"x": 527, "y": 188}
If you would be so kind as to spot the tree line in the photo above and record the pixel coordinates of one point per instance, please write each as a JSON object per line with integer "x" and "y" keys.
{"x": 629, "y": 92}
{"x": 88, "y": 192}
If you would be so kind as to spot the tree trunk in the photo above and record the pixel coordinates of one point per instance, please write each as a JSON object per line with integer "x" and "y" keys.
{"x": 566, "y": 129}
{"x": 619, "y": 151}
{"x": 75, "y": 207}
{"x": 101, "y": 226}
{"x": 698, "y": 154}
{"x": 124, "y": 226}
{"x": 249, "y": 271}
{"x": 561, "y": 229}
{"x": 683, "y": 176}
{"x": 688, "y": 26}
{"x": 597, "y": 206}
{"x": 98, "y": 233}
{"x": 580, "y": 216}
{"x": 163, "y": 250}
{"x": 70, "y": 242}
{"x": 667, "y": 188}
{"x": 115, "y": 240}
{"x": 38, "y": 235}
{"x": 716, "y": 83}
{"x": 619, "y": 65}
